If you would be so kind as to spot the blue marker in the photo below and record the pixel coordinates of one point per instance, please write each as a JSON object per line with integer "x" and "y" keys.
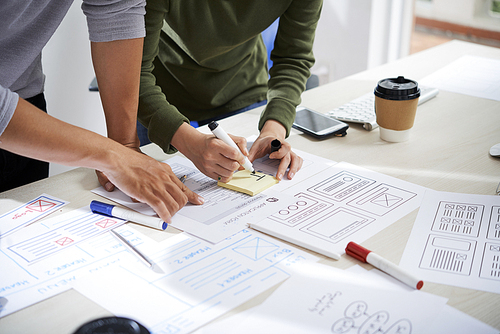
{"x": 136, "y": 217}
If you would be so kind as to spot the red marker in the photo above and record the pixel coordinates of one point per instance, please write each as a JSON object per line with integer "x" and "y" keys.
{"x": 364, "y": 255}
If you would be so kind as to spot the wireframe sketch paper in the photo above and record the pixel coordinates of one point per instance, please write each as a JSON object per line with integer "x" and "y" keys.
{"x": 249, "y": 183}
{"x": 199, "y": 281}
{"x": 23, "y": 284}
{"x": 311, "y": 303}
{"x": 224, "y": 212}
{"x": 28, "y": 213}
{"x": 342, "y": 203}
{"x": 470, "y": 75}
{"x": 455, "y": 240}
{"x": 38, "y": 241}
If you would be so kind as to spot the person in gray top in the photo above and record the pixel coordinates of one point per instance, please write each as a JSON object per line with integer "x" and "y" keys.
{"x": 116, "y": 32}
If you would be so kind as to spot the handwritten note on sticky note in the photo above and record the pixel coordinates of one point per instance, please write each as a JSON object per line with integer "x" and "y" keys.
{"x": 249, "y": 183}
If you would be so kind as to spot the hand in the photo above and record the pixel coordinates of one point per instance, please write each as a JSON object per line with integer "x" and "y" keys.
{"x": 211, "y": 156}
{"x": 270, "y": 131}
{"x": 152, "y": 182}
{"x": 103, "y": 179}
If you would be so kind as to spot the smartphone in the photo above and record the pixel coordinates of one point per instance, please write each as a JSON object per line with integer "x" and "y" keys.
{"x": 318, "y": 125}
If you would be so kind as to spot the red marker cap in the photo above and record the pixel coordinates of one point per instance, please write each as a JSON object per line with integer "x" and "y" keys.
{"x": 356, "y": 251}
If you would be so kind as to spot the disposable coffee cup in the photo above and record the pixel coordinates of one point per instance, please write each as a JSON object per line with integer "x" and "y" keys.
{"x": 396, "y": 101}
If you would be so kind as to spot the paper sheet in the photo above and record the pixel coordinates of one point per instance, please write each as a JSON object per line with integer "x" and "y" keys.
{"x": 249, "y": 183}
{"x": 29, "y": 213}
{"x": 455, "y": 240}
{"x": 23, "y": 284}
{"x": 337, "y": 302}
{"x": 470, "y": 75}
{"x": 38, "y": 241}
{"x": 340, "y": 204}
{"x": 224, "y": 212}
{"x": 199, "y": 281}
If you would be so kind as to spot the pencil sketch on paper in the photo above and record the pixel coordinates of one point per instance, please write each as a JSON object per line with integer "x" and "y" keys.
{"x": 455, "y": 255}
{"x": 357, "y": 320}
{"x": 340, "y": 205}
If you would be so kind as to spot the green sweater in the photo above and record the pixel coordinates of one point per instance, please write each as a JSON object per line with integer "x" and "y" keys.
{"x": 206, "y": 58}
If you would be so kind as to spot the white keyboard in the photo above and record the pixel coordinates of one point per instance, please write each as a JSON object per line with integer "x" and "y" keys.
{"x": 362, "y": 109}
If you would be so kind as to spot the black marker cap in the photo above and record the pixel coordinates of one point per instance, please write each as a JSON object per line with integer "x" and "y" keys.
{"x": 213, "y": 125}
{"x": 275, "y": 145}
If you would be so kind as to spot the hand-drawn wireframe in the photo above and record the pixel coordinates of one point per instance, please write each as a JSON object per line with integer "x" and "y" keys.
{"x": 340, "y": 205}
{"x": 341, "y": 186}
{"x": 336, "y": 225}
{"x": 448, "y": 254}
{"x": 458, "y": 218}
{"x": 494, "y": 226}
{"x": 382, "y": 199}
{"x": 256, "y": 248}
{"x": 321, "y": 218}
{"x": 304, "y": 208}
{"x": 359, "y": 321}
{"x": 490, "y": 266}
{"x": 80, "y": 225}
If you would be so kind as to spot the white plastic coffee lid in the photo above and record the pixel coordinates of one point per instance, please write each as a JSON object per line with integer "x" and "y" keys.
{"x": 394, "y": 135}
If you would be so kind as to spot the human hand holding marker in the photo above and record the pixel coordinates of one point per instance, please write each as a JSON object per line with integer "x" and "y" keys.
{"x": 222, "y": 135}
{"x": 271, "y": 131}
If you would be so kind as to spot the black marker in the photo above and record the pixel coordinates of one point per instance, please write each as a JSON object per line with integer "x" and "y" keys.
{"x": 275, "y": 145}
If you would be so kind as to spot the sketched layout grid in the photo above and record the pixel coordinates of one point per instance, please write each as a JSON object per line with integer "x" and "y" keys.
{"x": 256, "y": 248}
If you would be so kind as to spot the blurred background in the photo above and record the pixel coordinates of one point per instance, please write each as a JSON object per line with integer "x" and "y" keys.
{"x": 352, "y": 36}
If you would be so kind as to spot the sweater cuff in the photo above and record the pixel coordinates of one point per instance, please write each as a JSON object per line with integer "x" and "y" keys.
{"x": 279, "y": 110}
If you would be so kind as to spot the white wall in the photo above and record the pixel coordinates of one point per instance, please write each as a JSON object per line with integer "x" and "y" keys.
{"x": 353, "y": 36}
{"x": 68, "y": 68}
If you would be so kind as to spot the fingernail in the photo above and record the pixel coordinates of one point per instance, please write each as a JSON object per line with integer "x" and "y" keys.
{"x": 290, "y": 175}
{"x": 108, "y": 186}
{"x": 201, "y": 199}
{"x": 279, "y": 176}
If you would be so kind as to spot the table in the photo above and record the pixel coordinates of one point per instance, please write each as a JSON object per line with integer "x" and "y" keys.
{"x": 447, "y": 151}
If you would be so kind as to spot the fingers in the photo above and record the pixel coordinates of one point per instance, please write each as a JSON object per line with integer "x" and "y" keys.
{"x": 295, "y": 165}
{"x": 104, "y": 181}
{"x": 192, "y": 197}
{"x": 241, "y": 143}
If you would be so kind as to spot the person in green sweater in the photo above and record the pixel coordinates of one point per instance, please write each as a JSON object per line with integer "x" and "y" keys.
{"x": 204, "y": 60}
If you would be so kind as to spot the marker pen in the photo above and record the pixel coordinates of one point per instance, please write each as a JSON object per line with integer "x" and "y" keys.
{"x": 275, "y": 145}
{"x": 222, "y": 135}
{"x": 136, "y": 217}
{"x": 364, "y": 255}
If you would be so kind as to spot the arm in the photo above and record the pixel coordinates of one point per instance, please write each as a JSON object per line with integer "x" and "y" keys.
{"x": 292, "y": 59}
{"x": 119, "y": 88}
{"x": 35, "y": 134}
{"x": 167, "y": 127}
{"x": 116, "y": 31}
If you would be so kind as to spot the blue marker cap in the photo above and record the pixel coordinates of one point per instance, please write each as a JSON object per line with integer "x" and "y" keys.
{"x": 101, "y": 208}
{"x": 164, "y": 226}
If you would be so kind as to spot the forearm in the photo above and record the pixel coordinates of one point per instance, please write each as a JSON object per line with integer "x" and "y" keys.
{"x": 117, "y": 65}
{"x": 35, "y": 134}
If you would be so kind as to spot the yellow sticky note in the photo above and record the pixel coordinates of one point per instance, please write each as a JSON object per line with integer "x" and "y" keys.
{"x": 249, "y": 183}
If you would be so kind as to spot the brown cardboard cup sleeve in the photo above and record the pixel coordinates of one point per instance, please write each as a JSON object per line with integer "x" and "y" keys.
{"x": 395, "y": 115}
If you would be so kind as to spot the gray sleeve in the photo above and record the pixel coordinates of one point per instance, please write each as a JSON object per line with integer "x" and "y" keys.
{"x": 110, "y": 20}
{"x": 8, "y": 104}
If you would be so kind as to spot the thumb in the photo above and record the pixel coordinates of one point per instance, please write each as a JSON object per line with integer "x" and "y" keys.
{"x": 104, "y": 181}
